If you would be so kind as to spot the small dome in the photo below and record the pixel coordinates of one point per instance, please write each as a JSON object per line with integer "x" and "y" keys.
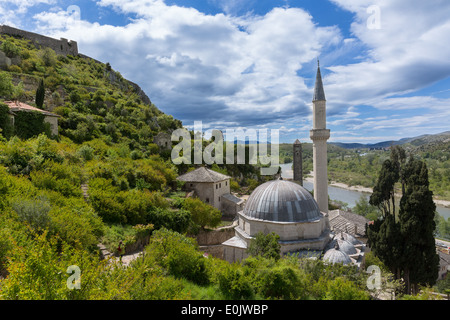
{"x": 282, "y": 201}
{"x": 350, "y": 238}
{"x": 336, "y": 256}
{"x": 344, "y": 246}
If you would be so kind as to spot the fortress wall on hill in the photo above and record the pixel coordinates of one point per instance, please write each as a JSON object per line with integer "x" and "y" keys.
{"x": 62, "y": 46}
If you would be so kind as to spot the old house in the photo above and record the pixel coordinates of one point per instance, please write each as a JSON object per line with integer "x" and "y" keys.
{"x": 213, "y": 188}
{"x": 51, "y": 118}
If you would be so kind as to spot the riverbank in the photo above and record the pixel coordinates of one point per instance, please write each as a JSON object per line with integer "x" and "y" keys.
{"x": 310, "y": 178}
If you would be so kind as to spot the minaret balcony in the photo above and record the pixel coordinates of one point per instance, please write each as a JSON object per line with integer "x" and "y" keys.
{"x": 319, "y": 134}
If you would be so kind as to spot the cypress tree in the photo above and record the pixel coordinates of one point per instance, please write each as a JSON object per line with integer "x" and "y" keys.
{"x": 405, "y": 241}
{"x": 40, "y": 94}
{"x": 417, "y": 226}
{"x": 384, "y": 236}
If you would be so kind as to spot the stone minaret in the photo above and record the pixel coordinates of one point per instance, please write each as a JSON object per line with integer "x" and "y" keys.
{"x": 319, "y": 135}
{"x": 298, "y": 171}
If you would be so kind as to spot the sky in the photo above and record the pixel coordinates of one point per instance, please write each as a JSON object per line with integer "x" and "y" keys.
{"x": 251, "y": 64}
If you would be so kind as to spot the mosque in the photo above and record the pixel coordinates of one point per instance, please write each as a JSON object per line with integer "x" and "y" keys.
{"x": 289, "y": 210}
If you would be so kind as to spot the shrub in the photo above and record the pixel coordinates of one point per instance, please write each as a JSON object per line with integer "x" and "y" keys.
{"x": 233, "y": 283}
{"x": 77, "y": 224}
{"x": 177, "y": 255}
{"x": 281, "y": 282}
{"x": 33, "y": 211}
{"x": 38, "y": 271}
{"x": 266, "y": 246}
{"x": 6, "y": 85}
{"x": 85, "y": 152}
{"x": 9, "y": 48}
{"x": 202, "y": 213}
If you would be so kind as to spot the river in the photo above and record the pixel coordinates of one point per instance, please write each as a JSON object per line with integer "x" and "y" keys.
{"x": 348, "y": 196}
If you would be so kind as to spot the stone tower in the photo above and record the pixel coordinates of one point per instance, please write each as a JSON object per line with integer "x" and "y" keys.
{"x": 298, "y": 171}
{"x": 319, "y": 135}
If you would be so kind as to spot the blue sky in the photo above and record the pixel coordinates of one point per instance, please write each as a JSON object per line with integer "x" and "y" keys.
{"x": 251, "y": 64}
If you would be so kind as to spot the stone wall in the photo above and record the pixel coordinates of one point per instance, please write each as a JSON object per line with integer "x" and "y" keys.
{"x": 163, "y": 140}
{"x": 210, "y": 241}
{"x": 62, "y": 46}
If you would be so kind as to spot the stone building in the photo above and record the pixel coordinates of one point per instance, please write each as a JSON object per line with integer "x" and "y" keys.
{"x": 283, "y": 207}
{"x": 51, "y": 118}
{"x": 290, "y": 211}
{"x": 213, "y": 188}
{"x": 298, "y": 162}
{"x": 163, "y": 140}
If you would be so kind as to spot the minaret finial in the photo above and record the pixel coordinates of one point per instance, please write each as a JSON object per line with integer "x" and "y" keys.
{"x": 318, "y": 63}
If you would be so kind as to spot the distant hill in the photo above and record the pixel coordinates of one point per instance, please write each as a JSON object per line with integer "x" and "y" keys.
{"x": 414, "y": 141}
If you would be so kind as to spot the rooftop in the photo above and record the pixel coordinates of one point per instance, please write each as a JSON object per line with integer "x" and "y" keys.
{"x": 319, "y": 93}
{"x": 16, "y": 106}
{"x": 203, "y": 174}
{"x": 282, "y": 201}
{"x": 351, "y": 223}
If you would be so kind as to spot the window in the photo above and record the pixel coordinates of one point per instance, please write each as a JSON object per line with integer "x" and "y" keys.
{"x": 207, "y": 200}
{"x": 220, "y": 185}
{"x": 217, "y": 186}
{"x": 226, "y": 183}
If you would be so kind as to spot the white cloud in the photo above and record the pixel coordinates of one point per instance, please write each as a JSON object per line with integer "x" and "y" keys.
{"x": 235, "y": 70}
{"x": 206, "y": 67}
{"x": 409, "y": 52}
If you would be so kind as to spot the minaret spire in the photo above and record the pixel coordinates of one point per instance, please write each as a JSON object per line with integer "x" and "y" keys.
{"x": 319, "y": 93}
{"x": 319, "y": 135}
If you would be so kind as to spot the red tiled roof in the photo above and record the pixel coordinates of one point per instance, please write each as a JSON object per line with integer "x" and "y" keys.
{"x": 20, "y": 106}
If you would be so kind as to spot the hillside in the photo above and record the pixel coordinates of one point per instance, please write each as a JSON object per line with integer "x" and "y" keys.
{"x": 416, "y": 141}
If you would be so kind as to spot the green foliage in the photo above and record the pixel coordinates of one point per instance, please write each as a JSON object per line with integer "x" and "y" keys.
{"x": 34, "y": 212}
{"x": 30, "y": 124}
{"x": 38, "y": 271}
{"x": 365, "y": 209}
{"x": 177, "y": 255}
{"x": 266, "y": 246}
{"x": 85, "y": 152}
{"x": 202, "y": 213}
{"x": 6, "y": 85}
{"x": 9, "y": 48}
{"x": 234, "y": 284}
{"x": 5, "y": 121}
{"x": 404, "y": 240}
{"x": 343, "y": 289}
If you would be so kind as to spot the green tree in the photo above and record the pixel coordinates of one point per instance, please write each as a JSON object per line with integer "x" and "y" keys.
{"x": 40, "y": 94}
{"x": 266, "y": 246}
{"x": 365, "y": 209}
{"x": 404, "y": 241}
{"x": 417, "y": 226}
{"x": 202, "y": 213}
{"x": 6, "y": 127}
{"x": 177, "y": 255}
{"x": 6, "y": 85}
